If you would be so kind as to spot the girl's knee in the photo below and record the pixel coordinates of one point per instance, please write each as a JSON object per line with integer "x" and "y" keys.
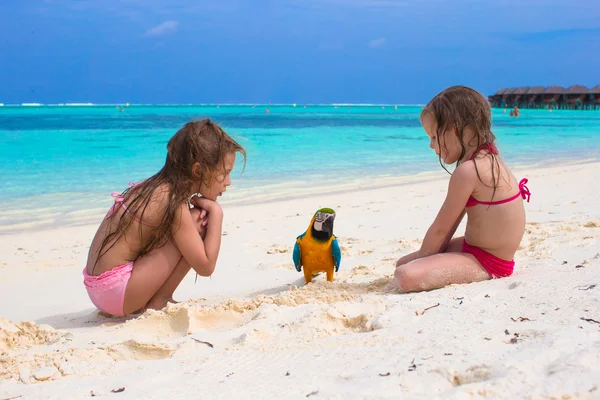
{"x": 407, "y": 279}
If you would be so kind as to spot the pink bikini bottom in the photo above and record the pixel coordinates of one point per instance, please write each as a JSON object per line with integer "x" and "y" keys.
{"x": 496, "y": 267}
{"x": 107, "y": 291}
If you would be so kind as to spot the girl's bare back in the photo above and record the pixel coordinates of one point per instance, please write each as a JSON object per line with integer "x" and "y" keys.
{"x": 497, "y": 229}
{"x": 128, "y": 246}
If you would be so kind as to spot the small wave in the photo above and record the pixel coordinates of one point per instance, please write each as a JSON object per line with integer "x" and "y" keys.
{"x": 31, "y": 104}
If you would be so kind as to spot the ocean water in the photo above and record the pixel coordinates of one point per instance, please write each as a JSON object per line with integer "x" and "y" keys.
{"x": 59, "y": 164}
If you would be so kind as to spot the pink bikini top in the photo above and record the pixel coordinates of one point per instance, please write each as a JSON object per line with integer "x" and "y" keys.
{"x": 120, "y": 200}
{"x": 523, "y": 190}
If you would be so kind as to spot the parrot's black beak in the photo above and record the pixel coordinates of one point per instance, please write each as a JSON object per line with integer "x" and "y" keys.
{"x": 328, "y": 226}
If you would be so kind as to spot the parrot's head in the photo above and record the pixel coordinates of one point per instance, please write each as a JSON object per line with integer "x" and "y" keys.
{"x": 322, "y": 224}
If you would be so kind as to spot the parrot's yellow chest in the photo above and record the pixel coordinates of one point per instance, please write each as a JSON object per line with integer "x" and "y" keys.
{"x": 321, "y": 252}
{"x": 316, "y": 256}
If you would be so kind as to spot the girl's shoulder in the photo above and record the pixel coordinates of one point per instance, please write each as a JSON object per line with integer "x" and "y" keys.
{"x": 466, "y": 170}
{"x": 488, "y": 171}
{"x": 156, "y": 204}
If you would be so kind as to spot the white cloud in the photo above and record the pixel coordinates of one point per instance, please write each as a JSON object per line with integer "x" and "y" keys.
{"x": 166, "y": 28}
{"x": 377, "y": 43}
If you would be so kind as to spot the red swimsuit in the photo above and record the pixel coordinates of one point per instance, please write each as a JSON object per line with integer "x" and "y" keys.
{"x": 496, "y": 267}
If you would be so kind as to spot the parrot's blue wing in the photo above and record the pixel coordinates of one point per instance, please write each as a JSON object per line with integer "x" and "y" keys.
{"x": 296, "y": 255}
{"x": 337, "y": 253}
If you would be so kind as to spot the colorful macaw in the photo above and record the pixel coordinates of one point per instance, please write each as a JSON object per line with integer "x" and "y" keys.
{"x": 317, "y": 249}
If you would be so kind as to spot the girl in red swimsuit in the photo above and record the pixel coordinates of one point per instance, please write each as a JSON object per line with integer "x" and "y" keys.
{"x": 458, "y": 124}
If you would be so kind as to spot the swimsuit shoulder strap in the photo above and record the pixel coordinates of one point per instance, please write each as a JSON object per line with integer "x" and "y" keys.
{"x": 488, "y": 146}
{"x": 120, "y": 200}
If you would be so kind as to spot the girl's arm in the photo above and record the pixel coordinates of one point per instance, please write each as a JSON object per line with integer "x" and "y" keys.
{"x": 461, "y": 186}
{"x": 452, "y": 231}
{"x": 200, "y": 254}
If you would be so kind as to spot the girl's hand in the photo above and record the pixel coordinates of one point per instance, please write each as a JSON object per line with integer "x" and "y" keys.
{"x": 212, "y": 207}
{"x": 203, "y": 223}
{"x": 200, "y": 218}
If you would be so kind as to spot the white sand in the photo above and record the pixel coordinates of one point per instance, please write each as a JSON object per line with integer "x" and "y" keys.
{"x": 273, "y": 337}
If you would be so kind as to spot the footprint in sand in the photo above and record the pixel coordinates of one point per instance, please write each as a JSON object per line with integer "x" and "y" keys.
{"x": 134, "y": 350}
{"x": 278, "y": 250}
{"x": 182, "y": 319}
{"x": 361, "y": 270}
{"x": 474, "y": 374}
{"x": 345, "y": 250}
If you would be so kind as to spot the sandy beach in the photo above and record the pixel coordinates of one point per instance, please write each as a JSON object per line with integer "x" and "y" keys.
{"x": 254, "y": 330}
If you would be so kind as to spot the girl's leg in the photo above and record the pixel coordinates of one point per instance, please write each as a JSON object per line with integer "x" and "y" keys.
{"x": 454, "y": 246}
{"x": 165, "y": 293}
{"x": 152, "y": 278}
{"x": 439, "y": 270}
{"x": 156, "y": 275}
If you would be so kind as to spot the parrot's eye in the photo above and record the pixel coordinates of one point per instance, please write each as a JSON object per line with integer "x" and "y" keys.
{"x": 321, "y": 216}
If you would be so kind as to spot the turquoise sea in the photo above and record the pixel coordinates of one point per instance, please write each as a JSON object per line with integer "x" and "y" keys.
{"x": 59, "y": 164}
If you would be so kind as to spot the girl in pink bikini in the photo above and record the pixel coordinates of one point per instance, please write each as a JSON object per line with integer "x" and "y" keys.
{"x": 458, "y": 123}
{"x": 152, "y": 237}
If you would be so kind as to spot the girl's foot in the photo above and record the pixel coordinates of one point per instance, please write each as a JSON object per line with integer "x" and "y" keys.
{"x": 390, "y": 288}
{"x": 157, "y": 304}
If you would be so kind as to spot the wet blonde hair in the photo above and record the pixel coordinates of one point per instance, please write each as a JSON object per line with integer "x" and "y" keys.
{"x": 457, "y": 108}
{"x": 202, "y": 142}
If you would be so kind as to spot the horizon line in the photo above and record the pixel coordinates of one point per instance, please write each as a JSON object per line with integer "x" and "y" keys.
{"x": 126, "y": 104}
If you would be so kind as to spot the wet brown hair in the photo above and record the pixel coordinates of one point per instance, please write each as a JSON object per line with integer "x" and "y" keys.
{"x": 202, "y": 142}
{"x": 457, "y": 108}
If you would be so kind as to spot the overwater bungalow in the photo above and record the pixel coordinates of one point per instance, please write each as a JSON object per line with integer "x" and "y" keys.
{"x": 553, "y": 96}
{"x": 533, "y": 96}
{"x": 519, "y": 95}
{"x": 576, "y": 97}
{"x": 594, "y": 97}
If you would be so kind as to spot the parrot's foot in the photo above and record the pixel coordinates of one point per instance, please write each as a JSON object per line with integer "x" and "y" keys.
{"x": 330, "y": 276}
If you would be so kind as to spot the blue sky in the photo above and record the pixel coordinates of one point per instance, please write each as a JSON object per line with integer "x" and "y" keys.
{"x": 286, "y": 51}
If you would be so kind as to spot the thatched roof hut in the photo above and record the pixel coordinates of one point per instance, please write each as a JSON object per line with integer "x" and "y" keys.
{"x": 574, "y": 97}
{"x": 536, "y": 90}
{"x": 508, "y": 92}
{"x": 521, "y": 90}
{"x": 594, "y": 95}
{"x": 576, "y": 94}
{"x": 577, "y": 89}
{"x": 555, "y": 90}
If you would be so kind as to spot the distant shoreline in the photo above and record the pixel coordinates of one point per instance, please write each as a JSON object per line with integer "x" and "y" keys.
{"x": 49, "y": 217}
